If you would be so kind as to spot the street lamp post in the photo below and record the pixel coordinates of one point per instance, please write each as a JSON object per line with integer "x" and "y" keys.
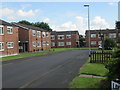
{"x": 88, "y": 26}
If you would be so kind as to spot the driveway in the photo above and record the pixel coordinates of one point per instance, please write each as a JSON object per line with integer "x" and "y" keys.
{"x": 48, "y": 71}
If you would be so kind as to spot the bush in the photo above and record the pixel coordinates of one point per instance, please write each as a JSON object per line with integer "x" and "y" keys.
{"x": 109, "y": 43}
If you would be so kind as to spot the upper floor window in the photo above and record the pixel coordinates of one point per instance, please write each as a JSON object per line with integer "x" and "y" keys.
{"x": 43, "y": 34}
{"x": 1, "y": 30}
{"x": 52, "y": 37}
{"x": 38, "y": 33}
{"x": 112, "y": 35}
{"x": 99, "y": 42}
{"x": 93, "y": 42}
{"x": 93, "y": 35}
{"x": 60, "y": 37}
{"x": 34, "y": 44}
{"x": 60, "y": 43}
{"x": 47, "y": 34}
{"x": 1, "y": 46}
{"x": 9, "y": 30}
{"x": 68, "y": 43}
{"x": 10, "y": 44}
{"x": 33, "y": 32}
{"x": 68, "y": 36}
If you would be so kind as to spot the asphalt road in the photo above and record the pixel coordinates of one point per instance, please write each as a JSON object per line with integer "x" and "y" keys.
{"x": 47, "y": 71}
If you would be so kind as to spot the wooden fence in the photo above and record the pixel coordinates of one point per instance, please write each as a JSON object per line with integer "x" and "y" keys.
{"x": 100, "y": 57}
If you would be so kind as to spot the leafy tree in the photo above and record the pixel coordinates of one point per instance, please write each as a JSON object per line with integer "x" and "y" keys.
{"x": 43, "y": 25}
{"x": 81, "y": 41}
{"x": 37, "y": 24}
{"x": 109, "y": 43}
{"x": 118, "y": 24}
{"x": 114, "y": 65}
{"x": 25, "y": 22}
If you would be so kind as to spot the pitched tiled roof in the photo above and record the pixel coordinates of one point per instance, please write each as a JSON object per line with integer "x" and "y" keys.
{"x": 2, "y": 22}
{"x": 28, "y": 27}
{"x": 64, "y": 32}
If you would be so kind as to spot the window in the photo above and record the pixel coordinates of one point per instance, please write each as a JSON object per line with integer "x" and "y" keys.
{"x": 60, "y": 37}
{"x": 93, "y": 35}
{"x": 68, "y": 36}
{"x": 33, "y": 32}
{"x": 93, "y": 42}
{"x": 68, "y": 43}
{"x": 101, "y": 35}
{"x": 99, "y": 42}
{"x": 47, "y": 43}
{"x": 9, "y": 30}
{"x": 10, "y": 44}
{"x": 34, "y": 44}
{"x": 112, "y": 35}
{"x": 44, "y": 43}
{"x": 52, "y": 37}
{"x": 43, "y": 34}
{"x": 52, "y": 43}
{"x": 1, "y": 46}
{"x": 119, "y": 34}
{"x": 38, "y": 44}
{"x": 38, "y": 33}
{"x": 47, "y": 34}
{"x": 60, "y": 43}
{"x": 1, "y": 30}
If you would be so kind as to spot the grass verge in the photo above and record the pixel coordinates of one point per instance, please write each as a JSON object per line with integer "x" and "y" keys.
{"x": 36, "y": 53}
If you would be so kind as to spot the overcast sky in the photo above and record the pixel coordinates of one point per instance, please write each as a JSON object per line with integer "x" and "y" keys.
{"x": 63, "y": 15}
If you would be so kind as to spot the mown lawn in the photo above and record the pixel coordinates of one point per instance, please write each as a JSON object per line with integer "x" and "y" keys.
{"x": 85, "y": 82}
{"x": 36, "y": 53}
{"x": 93, "y": 69}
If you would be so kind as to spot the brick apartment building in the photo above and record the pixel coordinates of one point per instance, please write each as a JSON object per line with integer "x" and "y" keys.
{"x": 8, "y": 39}
{"x": 64, "y": 39}
{"x": 32, "y": 38}
{"x": 95, "y": 39}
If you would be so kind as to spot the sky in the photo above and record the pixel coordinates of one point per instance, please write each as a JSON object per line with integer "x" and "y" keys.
{"x": 63, "y": 16}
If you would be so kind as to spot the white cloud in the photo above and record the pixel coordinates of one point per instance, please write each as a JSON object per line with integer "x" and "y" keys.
{"x": 98, "y": 23}
{"x": 47, "y": 20}
{"x": 112, "y": 3}
{"x": 6, "y": 12}
{"x": 11, "y": 14}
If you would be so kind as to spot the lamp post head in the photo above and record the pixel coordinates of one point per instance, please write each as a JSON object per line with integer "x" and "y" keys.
{"x": 86, "y": 5}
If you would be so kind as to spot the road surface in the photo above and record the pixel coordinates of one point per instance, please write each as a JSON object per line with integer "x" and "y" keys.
{"x": 48, "y": 71}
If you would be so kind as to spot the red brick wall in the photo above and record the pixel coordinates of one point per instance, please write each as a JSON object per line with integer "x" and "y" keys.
{"x": 9, "y": 38}
{"x": 73, "y": 39}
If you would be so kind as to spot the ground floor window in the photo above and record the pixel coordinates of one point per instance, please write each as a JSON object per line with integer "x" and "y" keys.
{"x": 10, "y": 44}
{"x": 34, "y": 44}
{"x": 52, "y": 43}
{"x": 1, "y": 46}
{"x": 60, "y": 43}
{"x": 38, "y": 44}
{"x": 93, "y": 42}
{"x": 68, "y": 43}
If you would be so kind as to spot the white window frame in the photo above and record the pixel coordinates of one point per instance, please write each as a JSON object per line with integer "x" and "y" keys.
{"x": 9, "y": 28}
{"x": 43, "y": 34}
{"x": 1, "y": 46}
{"x": 38, "y": 44}
{"x": 47, "y": 34}
{"x": 11, "y": 44}
{"x": 93, "y": 35}
{"x": 52, "y": 37}
{"x": 52, "y": 44}
{"x": 34, "y": 44}
{"x": 34, "y": 32}
{"x": 61, "y": 43}
{"x": 68, "y": 43}
{"x": 93, "y": 42}
{"x": 60, "y": 36}
{"x": 38, "y": 33}
{"x": 1, "y": 30}
{"x": 68, "y": 36}
{"x": 112, "y": 35}
{"x": 44, "y": 43}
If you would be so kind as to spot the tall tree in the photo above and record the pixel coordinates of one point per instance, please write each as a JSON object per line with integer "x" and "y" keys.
{"x": 118, "y": 24}
{"x": 25, "y": 22}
